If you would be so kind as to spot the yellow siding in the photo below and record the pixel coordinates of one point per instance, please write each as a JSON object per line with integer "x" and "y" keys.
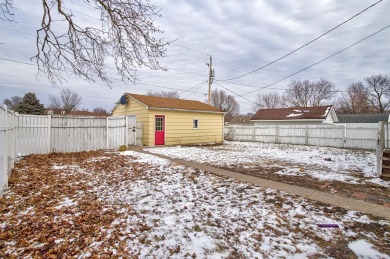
{"x": 178, "y": 125}
{"x": 141, "y": 113}
{"x": 179, "y": 128}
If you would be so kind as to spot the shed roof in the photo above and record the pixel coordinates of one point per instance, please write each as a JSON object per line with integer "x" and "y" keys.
{"x": 172, "y": 103}
{"x": 363, "y": 118}
{"x": 300, "y": 113}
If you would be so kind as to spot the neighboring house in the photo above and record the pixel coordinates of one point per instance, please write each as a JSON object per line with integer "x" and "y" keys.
{"x": 87, "y": 113}
{"x": 363, "y": 118}
{"x": 296, "y": 116}
{"x": 168, "y": 121}
{"x": 241, "y": 120}
{"x": 50, "y": 111}
{"x": 53, "y": 111}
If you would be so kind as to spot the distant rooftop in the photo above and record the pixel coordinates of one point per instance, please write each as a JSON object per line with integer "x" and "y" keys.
{"x": 301, "y": 113}
{"x": 246, "y": 120}
{"x": 363, "y": 118}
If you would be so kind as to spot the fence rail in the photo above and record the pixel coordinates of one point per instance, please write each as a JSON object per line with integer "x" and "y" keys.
{"x": 341, "y": 135}
{"x": 38, "y": 134}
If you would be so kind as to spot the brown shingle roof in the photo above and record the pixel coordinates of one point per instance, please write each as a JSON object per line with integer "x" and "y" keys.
{"x": 301, "y": 113}
{"x": 171, "y": 103}
{"x": 86, "y": 113}
{"x": 246, "y": 120}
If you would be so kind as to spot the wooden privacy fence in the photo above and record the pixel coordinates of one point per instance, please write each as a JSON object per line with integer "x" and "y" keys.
{"x": 37, "y": 134}
{"x": 337, "y": 135}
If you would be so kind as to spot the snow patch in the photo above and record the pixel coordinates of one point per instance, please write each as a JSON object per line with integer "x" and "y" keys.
{"x": 145, "y": 158}
{"x": 326, "y": 112}
{"x": 364, "y": 249}
{"x": 66, "y": 203}
{"x": 294, "y": 115}
{"x": 379, "y": 182}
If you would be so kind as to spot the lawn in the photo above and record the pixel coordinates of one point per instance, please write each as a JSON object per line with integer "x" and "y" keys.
{"x": 336, "y": 170}
{"x": 111, "y": 204}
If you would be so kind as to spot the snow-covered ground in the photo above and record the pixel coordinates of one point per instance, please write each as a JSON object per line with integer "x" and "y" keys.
{"x": 141, "y": 205}
{"x": 322, "y": 163}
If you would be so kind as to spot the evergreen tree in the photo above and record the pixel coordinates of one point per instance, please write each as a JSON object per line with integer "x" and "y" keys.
{"x": 30, "y": 105}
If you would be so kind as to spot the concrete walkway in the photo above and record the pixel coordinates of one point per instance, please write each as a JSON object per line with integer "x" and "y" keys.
{"x": 324, "y": 197}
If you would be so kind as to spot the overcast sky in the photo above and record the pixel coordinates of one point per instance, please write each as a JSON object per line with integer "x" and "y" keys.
{"x": 241, "y": 36}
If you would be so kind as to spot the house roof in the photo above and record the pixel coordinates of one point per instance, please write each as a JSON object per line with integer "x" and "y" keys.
{"x": 301, "y": 113}
{"x": 86, "y": 113}
{"x": 241, "y": 120}
{"x": 363, "y": 118}
{"x": 172, "y": 103}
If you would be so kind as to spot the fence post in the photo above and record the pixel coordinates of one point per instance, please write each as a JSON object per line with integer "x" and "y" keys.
{"x": 253, "y": 135}
{"x": 5, "y": 144}
{"x": 106, "y": 132}
{"x": 48, "y": 133}
{"x": 307, "y": 136}
{"x": 126, "y": 130}
{"x": 276, "y": 134}
{"x": 345, "y": 136}
{"x": 379, "y": 148}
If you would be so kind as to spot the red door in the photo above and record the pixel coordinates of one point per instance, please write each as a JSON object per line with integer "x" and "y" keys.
{"x": 159, "y": 130}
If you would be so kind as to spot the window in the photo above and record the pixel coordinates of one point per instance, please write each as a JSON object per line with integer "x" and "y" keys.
{"x": 195, "y": 124}
{"x": 159, "y": 123}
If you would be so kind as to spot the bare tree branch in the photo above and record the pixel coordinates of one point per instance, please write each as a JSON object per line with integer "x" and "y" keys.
{"x": 305, "y": 93}
{"x": 7, "y": 7}
{"x": 378, "y": 88}
{"x": 219, "y": 97}
{"x": 67, "y": 100}
{"x": 268, "y": 101}
{"x": 126, "y": 36}
{"x": 355, "y": 100}
{"x": 168, "y": 94}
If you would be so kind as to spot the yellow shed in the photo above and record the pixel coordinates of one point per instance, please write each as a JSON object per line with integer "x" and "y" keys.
{"x": 169, "y": 121}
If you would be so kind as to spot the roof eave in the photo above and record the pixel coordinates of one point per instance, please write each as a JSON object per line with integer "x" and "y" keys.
{"x": 184, "y": 110}
{"x": 292, "y": 120}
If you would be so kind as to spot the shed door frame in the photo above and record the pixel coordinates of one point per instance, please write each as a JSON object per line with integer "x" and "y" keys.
{"x": 159, "y": 130}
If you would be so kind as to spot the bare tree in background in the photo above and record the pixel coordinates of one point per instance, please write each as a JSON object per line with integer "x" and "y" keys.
{"x": 354, "y": 100}
{"x": 268, "y": 101}
{"x": 100, "y": 110}
{"x": 13, "y": 102}
{"x": 126, "y": 33}
{"x": 378, "y": 88}
{"x": 306, "y": 94}
{"x": 67, "y": 100}
{"x": 323, "y": 91}
{"x": 219, "y": 98}
{"x": 167, "y": 94}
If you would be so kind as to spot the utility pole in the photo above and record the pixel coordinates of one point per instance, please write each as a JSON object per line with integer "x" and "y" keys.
{"x": 211, "y": 77}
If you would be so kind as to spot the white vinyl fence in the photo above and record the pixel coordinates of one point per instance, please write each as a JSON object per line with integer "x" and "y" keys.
{"x": 7, "y": 145}
{"x": 38, "y": 134}
{"x": 338, "y": 135}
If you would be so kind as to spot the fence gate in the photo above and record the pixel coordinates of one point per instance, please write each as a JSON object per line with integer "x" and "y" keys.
{"x": 131, "y": 130}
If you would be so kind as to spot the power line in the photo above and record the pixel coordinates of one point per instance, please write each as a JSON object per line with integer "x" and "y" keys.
{"x": 201, "y": 52}
{"x": 197, "y": 87}
{"x": 191, "y": 73}
{"x": 20, "y": 62}
{"x": 306, "y": 44}
{"x": 204, "y": 53}
{"x": 316, "y": 63}
{"x": 235, "y": 93}
{"x": 17, "y": 31}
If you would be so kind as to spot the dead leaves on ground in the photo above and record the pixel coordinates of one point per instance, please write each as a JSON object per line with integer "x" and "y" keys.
{"x": 50, "y": 210}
